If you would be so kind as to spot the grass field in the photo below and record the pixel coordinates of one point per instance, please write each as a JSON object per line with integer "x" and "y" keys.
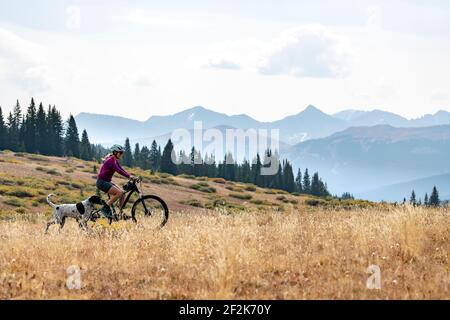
{"x": 224, "y": 240}
{"x": 314, "y": 254}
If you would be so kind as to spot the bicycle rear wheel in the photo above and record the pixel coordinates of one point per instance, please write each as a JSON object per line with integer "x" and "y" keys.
{"x": 151, "y": 211}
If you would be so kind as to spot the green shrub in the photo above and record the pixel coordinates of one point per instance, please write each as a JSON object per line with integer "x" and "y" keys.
{"x": 240, "y": 196}
{"x": 193, "y": 203}
{"x": 20, "y": 210}
{"x": 219, "y": 180}
{"x": 260, "y": 202}
{"x": 14, "y": 202}
{"x": 234, "y": 189}
{"x": 186, "y": 176}
{"x": 314, "y": 202}
{"x": 50, "y": 171}
{"x": 203, "y": 187}
{"x": 250, "y": 187}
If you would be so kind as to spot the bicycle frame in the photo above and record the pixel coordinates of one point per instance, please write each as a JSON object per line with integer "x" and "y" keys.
{"x": 134, "y": 189}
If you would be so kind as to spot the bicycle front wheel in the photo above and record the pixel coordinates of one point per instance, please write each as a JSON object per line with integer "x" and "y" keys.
{"x": 151, "y": 211}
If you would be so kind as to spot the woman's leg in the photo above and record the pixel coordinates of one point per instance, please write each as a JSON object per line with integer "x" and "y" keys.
{"x": 122, "y": 197}
{"x": 115, "y": 194}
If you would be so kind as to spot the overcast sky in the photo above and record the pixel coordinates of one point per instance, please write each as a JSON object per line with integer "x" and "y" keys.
{"x": 268, "y": 59}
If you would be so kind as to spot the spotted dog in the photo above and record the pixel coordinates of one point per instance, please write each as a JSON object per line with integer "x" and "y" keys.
{"x": 80, "y": 211}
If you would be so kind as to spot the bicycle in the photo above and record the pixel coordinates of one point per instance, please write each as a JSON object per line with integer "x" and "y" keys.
{"x": 149, "y": 208}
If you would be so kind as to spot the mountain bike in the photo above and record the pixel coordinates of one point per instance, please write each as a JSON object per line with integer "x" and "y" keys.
{"x": 148, "y": 209}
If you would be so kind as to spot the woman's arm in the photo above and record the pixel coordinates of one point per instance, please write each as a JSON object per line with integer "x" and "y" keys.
{"x": 120, "y": 170}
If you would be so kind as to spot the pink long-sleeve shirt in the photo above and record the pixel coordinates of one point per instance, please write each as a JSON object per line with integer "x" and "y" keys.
{"x": 109, "y": 167}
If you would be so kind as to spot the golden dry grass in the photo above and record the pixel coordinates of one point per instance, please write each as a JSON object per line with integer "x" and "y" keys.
{"x": 315, "y": 254}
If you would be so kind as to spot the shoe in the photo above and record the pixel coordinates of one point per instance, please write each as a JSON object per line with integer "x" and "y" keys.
{"x": 106, "y": 210}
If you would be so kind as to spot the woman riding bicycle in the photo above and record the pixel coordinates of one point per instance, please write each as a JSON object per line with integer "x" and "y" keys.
{"x": 109, "y": 167}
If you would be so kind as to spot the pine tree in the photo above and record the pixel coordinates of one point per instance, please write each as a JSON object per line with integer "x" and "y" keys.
{"x": 245, "y": 171}
{"x": 426, "y": 200}
{"x": 167, "y": 165}
{"x": 288, "y": 177}
{"x": 42, "y": 133}
{"x": 144, "y": 157}
{"x": 2, "y": 131}
{"x": 14, "y": 128}
{"x": 30, "y": 128}
{"x": 298, "y": 181}
{"x": 55, "y": 131}
{"x": 434, "y": 198}
{"x": 306, "y": 182}
{"x": 137, "y": 161}
{"x": 316, "y": 188}
{"x": 85, "y": 147}
{"x": 13, "y": 140}
{"x": 412, "y": 199}
{"x": 256, "y": 171}
{"x": 127, "y": 155}
{"x": 72, "y": 139}
{"x": 155, "y": 156}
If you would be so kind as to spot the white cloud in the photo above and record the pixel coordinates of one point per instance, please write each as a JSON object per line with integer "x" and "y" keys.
{"x": 146, "y": 18}
{"x": 308, "y": 51}
{"x": 23, "y": 62}
{"x": 222, "y": 63}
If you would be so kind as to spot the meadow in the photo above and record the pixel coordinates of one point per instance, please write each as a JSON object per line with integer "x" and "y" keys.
{"x": 223, "y": 241}
{"x": 316, "y": 254}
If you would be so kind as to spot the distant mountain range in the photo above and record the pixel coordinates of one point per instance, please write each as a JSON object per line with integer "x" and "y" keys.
{"x": 372, "y": 154}
{"x": 397, "y": 192}
{"x": 360, "y": 159}
{"x": 310, "y": 123}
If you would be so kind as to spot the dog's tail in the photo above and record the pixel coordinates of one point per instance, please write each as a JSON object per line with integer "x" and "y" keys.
{"x": 48, "y": 200}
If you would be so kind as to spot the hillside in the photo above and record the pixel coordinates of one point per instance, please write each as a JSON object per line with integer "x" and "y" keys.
{"x": 285, "y": 247}
{"x": 26, "y": 179}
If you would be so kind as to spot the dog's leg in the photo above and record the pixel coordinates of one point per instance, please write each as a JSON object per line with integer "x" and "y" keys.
{"x": 61, "y": 223}
{"x": 52, "y": 221}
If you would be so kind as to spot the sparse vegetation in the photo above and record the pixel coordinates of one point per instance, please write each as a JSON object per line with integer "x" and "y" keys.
{"x": 241, "y": 196}
{"x": 263, "y": 255}
{"x": 203, "y": 187}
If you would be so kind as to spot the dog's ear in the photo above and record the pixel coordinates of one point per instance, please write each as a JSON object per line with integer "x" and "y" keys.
{"x": 80, "y": 208}
{"x": 95, "y": 200}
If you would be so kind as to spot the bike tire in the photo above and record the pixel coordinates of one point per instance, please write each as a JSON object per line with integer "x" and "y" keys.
{"x": 142, "y": 202}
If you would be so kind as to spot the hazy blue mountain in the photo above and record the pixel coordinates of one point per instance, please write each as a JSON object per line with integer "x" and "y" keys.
{"x": 376, "y": 117}
{"x": 240, "y": 152}
{"x": 397, "y": 192}
{"x": 103, "y": 128}
{"x": 440, "y": 117}
{"x": 349, "y": 114}
{"x": 310, "y": 123}
{"x": 210, "y": 119}
{"x": 372, "y": 118}
{"x": 360, "y": 159}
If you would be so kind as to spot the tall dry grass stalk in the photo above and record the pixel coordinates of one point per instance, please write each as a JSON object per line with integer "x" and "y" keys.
{"x": 297, "y": 255}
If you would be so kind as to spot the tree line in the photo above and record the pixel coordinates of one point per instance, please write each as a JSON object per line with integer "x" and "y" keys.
{"x": 429, "y": 201}
{"x": 44, "y": 132}
{"x": 247, "y": 172}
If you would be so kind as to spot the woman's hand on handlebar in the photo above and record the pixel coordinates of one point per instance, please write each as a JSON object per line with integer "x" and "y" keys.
{"x": 135, "y": 179}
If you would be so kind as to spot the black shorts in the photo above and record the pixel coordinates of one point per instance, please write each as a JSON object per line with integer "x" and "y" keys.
{"x": 103, "y": 185}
